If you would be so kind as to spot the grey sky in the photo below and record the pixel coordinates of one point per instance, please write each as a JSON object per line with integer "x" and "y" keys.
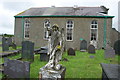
{"x": 10, "y": 8}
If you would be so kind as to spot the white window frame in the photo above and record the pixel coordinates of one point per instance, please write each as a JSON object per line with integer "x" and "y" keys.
{"x": 94, "y": 29}
{"x": 45, "y": 29}
{"x": 71, "y": 28}
{"x": 28, "y": 27}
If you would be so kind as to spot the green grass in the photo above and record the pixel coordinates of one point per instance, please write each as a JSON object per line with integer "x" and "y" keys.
{"x": 79, "y": 66}
{"x": 10, "y": 57}
{"x": 83, "y": 66}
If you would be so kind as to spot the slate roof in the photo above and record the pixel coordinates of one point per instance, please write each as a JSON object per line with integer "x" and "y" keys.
{"x": 66, "y": 11}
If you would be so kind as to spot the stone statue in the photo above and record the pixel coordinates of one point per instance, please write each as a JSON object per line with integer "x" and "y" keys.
{"x": 55, "y": 50}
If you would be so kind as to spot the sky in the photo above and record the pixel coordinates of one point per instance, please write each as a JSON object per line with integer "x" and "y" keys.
{"x": 9, "y": 8}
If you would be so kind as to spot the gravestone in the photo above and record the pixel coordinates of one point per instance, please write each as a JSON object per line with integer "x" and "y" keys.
{"x": 10, "y": 41}
{"x": 110, "y": 71}
{"x": 109, "y": 52}
{"x": 43, "y": 55}
{"x": 16, "y": 69}
{"x": 71, "y": 52}
{"x": 91, "y": 49}
{"x": 117, "y": 47}
{"x": 28, "y": 50}
{"x": 14, "y": 46}
{"x": 83, "y": 45}
{"x": 5, "y": 45}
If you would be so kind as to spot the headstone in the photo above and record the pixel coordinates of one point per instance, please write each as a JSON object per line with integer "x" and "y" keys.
{"x": 28, "y": 50}
{"x": 5, "y": 45}
{"x": 109, "y": 52}
{"x": 71, "y": 52}
{"x": 83, "y": 45}
{"x": 110, "y": 71}
{"x": 16, "y": 69}
{"x": 10, "y": 41}
{"x": 43, "y": 55}
{"x": 117, "y": 47}
{"x": 91, "y": 49}
{"x": 14, "y": 46}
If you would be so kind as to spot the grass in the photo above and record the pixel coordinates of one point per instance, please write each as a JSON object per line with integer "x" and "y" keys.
{"x": 79, "y": 66}
{"x": 84, "y": 67}
{"x": 10, "y": 57}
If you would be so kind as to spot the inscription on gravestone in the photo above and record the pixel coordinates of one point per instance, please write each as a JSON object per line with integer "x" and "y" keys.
{"x": 117, "y": 47}
{"x": 109, "y": 52}
{"x": 71, "y": 51}
{"x": 16, "y": 69}
{"x": 91, "y": 49}
{"x": 83, "y": 45}
{"x": 28, "y": 50}
{"x": 5, "y": 45}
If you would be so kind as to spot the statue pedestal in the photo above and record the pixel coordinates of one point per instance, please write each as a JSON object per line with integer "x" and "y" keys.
{"x": 46, "y": 74}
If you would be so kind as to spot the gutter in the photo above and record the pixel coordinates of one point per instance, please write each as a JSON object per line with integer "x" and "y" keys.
{"x": 65, "y": 16}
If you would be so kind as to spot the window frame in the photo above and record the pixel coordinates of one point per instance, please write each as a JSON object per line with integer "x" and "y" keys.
{"x": 28, "y": 27}
{"x": 94, "y": 29}
{"x": 71, "y": 28}
{"x": 45, "y": 31}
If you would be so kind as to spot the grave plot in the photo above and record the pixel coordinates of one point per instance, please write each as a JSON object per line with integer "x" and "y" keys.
{"x": 87, "y": 65}
{"x": 117, "y": 47}
{"x": 7, "y": 42}
{"x": 16, "y": 69}
{"x": 83, "y": 45}
{"x": 27, "y": 51}
{"x": 43, "y": 54}
{"x": 71, "y": 52}
{"x": 109, "y": 52}
{"x": 91, "y": 49}
{"x": 110, "y": 71}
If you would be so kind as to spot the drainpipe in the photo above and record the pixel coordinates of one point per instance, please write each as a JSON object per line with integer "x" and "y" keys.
{"x": 22, "y": 28}
{"x": 105, "y": 28}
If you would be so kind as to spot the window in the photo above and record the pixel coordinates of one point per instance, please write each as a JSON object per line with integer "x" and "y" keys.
{"x": 27, "y": 28}
{"x": 69, "y": 30}
{"x": 94, "y": 28}
{"x": 46, "y": 27}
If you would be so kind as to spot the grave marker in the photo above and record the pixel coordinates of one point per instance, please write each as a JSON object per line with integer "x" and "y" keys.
{"x": 16, "y": 69}
{"x": 109, "y": 52}
{"x": 117, "y": 47}
{"x": 83, "y": 45}
{"x": 5, "y": 45}
{"x": 43, "y": 54}
{"x": 71, "y": 52}
{"x": 110, "y": 71}
{"x": 9, "y": 41}
{"x": 91, "y": 49}
{"x": 28, "y": 50}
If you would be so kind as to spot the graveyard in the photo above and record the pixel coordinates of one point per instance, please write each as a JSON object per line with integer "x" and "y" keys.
{"x": 82, "y": 65}
{"x": 53, "y": 61}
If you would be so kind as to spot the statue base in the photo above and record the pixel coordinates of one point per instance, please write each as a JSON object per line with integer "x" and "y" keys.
{"x": 46, "y": 74}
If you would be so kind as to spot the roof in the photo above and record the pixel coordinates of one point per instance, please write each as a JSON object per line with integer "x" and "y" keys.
{"x": 63, "y": 12}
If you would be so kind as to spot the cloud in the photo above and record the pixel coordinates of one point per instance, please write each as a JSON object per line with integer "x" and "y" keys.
{"x": 9, "y": 8}
{"x": 17, "y": 6}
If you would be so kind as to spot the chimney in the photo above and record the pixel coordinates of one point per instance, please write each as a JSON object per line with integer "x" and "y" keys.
{"x": 105, "y": 9}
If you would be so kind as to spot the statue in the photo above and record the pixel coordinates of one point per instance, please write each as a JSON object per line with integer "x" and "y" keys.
{"x": 55, "y": 50}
